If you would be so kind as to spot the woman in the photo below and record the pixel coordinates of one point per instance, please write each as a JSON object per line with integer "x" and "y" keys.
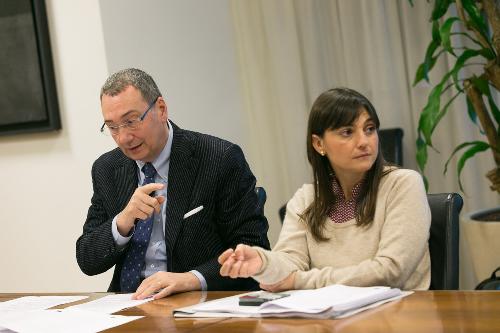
{"x": 361, "y": 223}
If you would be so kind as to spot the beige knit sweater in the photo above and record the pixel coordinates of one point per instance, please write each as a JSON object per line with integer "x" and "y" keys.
{"x": 391, "y": 251}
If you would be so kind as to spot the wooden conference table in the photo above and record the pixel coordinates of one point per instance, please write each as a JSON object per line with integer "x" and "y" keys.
{"x": 423, "y": 311}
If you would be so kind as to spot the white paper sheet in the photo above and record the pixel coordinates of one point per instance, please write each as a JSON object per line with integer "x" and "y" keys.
{"x": 37, "y": 302}
{"x": 110, "y": 303}
{"x": 28, "y": 303}
{"x": 55, "y": 321}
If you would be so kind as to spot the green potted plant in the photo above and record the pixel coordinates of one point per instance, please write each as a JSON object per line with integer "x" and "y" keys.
{"x": 478, "y": 22}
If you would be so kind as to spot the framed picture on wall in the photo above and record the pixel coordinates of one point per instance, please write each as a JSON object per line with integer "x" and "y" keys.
{"x": 28, "y": 97}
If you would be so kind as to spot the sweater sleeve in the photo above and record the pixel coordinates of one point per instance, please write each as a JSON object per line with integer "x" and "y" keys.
{"x": 403, "y": 240}
{"x": 291, "y": 251}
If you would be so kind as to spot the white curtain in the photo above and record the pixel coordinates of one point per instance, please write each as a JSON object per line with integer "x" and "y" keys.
{"x": 289, "y": 51}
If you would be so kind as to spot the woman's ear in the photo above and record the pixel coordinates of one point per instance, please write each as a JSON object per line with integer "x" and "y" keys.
{"x": 317, "y": 143}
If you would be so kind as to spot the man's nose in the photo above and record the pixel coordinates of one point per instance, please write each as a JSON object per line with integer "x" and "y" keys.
{"x": 123, "y": 136}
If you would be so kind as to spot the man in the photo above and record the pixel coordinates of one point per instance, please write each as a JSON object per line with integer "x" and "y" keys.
{"x": 167, "y": 202}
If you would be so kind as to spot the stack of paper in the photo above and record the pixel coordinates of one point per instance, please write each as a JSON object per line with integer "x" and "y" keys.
{"x": 335, "y": 301}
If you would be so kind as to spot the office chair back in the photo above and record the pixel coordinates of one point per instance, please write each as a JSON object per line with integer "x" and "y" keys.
{"x": 282, "y": 212}
{"x": 261, "y": 198}
{"x": 391, "y": 141}
{"x": 444, "y": 238}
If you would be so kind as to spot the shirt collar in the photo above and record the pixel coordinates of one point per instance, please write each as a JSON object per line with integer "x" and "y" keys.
{"x": 161, "y": 162}
{"x": 339, "y": 193}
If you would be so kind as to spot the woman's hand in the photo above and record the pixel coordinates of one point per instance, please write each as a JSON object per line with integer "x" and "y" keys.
{"x": 285, "y": 284}
{"x": 242, "y": 262}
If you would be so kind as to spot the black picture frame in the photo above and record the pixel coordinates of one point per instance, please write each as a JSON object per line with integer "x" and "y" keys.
{"x": 28, "y": 96}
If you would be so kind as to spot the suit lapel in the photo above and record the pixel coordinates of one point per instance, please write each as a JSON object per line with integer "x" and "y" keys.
{"x": 126, "y": 181}
{"x": 181, "y": 177}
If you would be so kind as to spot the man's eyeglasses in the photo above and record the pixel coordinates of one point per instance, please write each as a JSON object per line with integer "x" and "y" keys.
{"x": 131, "y": 123}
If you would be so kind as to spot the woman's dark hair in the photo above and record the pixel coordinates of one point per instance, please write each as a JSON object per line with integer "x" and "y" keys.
{"x": 333, "y": 109}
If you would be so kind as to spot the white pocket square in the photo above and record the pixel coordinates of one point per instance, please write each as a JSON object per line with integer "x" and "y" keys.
{"x": 192, "y": 212}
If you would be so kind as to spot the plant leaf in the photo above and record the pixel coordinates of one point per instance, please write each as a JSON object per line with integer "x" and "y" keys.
{"x": 444, "y": 33}
{"x": 471, "y": 111}
{"x": 421, "y": 153}
{"x": 443, "y": 111}
{"x": 429, "y": 60}
{"x": 479, "y": 146}
{"x": 421, "y": 156}
{"x": 493, "y": 107}
{"x": 483, "y": 86}
{"x": 468, "y": 36}
{"x": 460, "y": 63}
{"x": 456, "y": 81}
{"x": 440, "y": 8}
{"x": 430, "y": 116}
{"x": 459, "y": 147}
{"x": 436, "y": 36}
{"x": 462, "y": 59}
{"x": 426, "y": 183}
{"x": 428, "y": 64}
{"x": 487, "y": 53}
{"x": 422, "y": 71}
{"x": 476, "y": 19}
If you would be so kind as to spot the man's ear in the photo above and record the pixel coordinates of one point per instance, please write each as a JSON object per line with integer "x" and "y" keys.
{"x": 163, "y": 109}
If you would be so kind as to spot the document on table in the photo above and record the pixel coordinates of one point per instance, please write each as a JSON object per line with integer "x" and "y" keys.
{"x": 37, "y": 302}
{"x": 110, "y": 303}
{"x": 29, "y": 314}
{"x": 335, "y": 301}
{"x": 55, "y": 321}
{"x": 28, "y": 303}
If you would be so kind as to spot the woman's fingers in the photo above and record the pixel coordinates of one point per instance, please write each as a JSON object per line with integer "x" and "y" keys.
{"x": 224, "y": 256}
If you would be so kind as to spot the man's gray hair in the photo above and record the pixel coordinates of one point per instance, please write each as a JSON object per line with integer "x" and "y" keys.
{"x": 140, "y": 80}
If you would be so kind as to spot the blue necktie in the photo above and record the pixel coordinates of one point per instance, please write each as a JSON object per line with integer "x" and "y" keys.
{"x": 134, "y": 258}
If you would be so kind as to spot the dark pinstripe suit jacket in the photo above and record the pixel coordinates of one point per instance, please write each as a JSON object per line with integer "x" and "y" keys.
{"x": 204, "y": 170}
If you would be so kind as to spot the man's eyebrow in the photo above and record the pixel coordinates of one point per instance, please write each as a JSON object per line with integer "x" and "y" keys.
{"x": 128, "y": 113}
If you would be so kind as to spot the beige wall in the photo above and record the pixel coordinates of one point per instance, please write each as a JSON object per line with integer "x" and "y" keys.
{"x": 45, "y": 177}
{"x": 188, "y": 47}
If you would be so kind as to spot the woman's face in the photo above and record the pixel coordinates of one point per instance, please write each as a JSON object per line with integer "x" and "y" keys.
{"x": 352, "y": 149}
